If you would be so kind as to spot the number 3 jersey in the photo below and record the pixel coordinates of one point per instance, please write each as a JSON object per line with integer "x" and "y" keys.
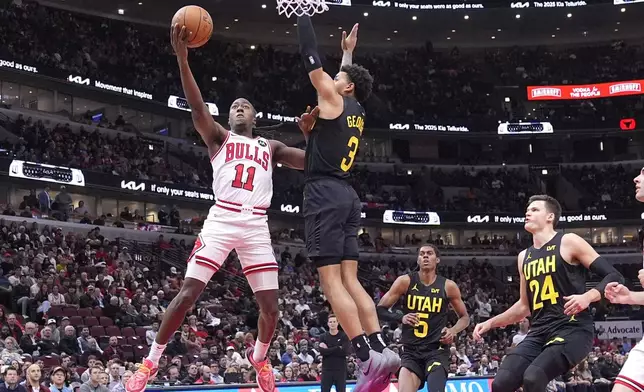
{"x": 549, "y": 278}
{"x": 242, "y": 171}
{"x": 333, "y": 144}
{"x": 431, "y": 304}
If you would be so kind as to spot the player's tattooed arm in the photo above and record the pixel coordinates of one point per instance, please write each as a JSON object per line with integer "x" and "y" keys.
{"x": 515, "y": 313}
{"x": 288, "y": 156}
{"x": 456, "y": 300}
{"x": 397, "y": 290}
{"x": 348, "y": 45}
{"x": 212, "y": 133}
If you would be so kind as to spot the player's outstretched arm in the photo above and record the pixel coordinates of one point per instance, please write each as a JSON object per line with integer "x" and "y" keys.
{"x": 573, "y": 247}
{"x": 212, "y": 133}
{"x": 456, "y": 300}
{"x": 348, "y": 45}
{"x": 288, "y": 156}
{"x": 515, "y": 313}
{"x": 617, "y": 293}
{"x": 397, "y": 290}
{"x": 329, "y": 100}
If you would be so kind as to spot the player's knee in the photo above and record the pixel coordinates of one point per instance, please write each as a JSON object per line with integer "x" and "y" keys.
{"x": 503, "y": 381}
{"x": 187, "y": 296}
{"x": 534, "y": 379}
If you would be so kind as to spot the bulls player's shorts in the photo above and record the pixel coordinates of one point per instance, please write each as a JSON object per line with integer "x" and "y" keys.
{"x": 632, "y": 373}
{"x": 246, "y": 232}
{"x": 331, "y": 221}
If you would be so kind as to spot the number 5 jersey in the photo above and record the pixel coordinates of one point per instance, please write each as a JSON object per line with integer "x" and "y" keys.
{"x": 431, "y": 305}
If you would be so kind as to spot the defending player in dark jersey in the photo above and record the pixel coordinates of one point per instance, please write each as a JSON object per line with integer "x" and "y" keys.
{"x": 553, "y": 290}
{"x": 424, "y": 330}
{"x": 332, "y": 208}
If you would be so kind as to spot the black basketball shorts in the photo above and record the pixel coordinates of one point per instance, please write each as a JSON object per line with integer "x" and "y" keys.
{"x": 331, "y": 221}
{"x": 422, "y": 363}
{"x": 573, "y": 342}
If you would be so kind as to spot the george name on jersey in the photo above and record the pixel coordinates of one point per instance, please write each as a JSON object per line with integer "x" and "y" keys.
{"x": 424, "y": 304}
{"x": 542, "y": 266}
{"x": 356, "y": 122}
{"x": 238, "y": 150}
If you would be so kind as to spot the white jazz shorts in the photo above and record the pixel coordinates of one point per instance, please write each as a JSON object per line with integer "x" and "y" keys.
{"x": 632, "y": 373}
{"x": 224, "y": 231}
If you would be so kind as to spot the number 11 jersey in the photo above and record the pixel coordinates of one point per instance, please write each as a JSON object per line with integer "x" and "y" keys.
{"x": 242, "y": 172}
{"x": 549, "y": 278}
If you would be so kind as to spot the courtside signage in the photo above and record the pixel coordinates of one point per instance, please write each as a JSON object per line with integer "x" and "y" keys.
{"x": 585, "y": 91}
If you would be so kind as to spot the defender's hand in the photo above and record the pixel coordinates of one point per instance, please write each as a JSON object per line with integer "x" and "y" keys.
{"x": 617, "y": 293}
{"x": 640, "y": 276}
{"x": 480, "y": 330}
{"x": 575, "y": 304}
{"x": 349, "y": 42}
{"x": 410, "y": 319}
{"x": 179, "y": 40}
{"x": 307, "y": 120}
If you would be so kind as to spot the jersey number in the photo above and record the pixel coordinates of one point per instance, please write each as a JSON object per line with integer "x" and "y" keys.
{"x": 347, "y": 161}
{"x": 422, "y": 327}
{"x": 250, "y": 176}
{"x": 544, "y": 293}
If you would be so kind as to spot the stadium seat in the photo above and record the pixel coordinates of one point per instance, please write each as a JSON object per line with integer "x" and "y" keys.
{"x": 97, "y": 312}
{"x": 84, "y": 312}
{"x": 50, "y": 360}
{"x": 140, "y": 332}
{"x": 127, "y": 332}
{"x": 112, "y": 331}
{"x": 140, "y": 352}
{"x": 90, "y": 321}
{"x": 70, "y": 312}
{"x": 106, "y": 321}
{"x": 55, "y": 311}
{"x": 135, "y": 341}
{"x": 97, "y": 330}
{"x": 76, "y": 321}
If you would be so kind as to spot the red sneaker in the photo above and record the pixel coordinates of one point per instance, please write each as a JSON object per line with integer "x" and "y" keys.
{"x": 264, "y": 370}
{"x": 139, "y": 380}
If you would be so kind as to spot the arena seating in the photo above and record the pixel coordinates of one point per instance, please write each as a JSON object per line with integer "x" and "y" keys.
{"x": 425, "y": 85}
{"x": 115, "y": 296}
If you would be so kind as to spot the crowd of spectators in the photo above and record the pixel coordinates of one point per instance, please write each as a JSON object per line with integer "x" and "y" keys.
{"x": 79, "y": 303}
{"x": 416, "y": 84}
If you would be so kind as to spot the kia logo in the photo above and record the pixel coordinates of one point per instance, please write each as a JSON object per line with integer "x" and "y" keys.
{"x": 132, "y": 185}
{"x": 78, "y": 80}
{"x": 290, "y": 209}
{"x": 627, "y": 124}
{"x": 478, "y": 219}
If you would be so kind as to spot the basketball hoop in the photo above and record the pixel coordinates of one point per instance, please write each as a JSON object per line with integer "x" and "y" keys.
{"x": 301, "y": 7}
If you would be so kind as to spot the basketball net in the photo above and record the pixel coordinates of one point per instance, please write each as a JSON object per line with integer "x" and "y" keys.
{"x": 301, "y": 7}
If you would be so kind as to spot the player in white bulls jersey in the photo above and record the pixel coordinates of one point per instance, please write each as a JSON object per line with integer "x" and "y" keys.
{"x": 242, "y": 173}
{"x": 631, "y": 377}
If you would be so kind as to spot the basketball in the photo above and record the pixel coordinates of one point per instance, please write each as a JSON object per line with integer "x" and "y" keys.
{"x": 197, "y": 21}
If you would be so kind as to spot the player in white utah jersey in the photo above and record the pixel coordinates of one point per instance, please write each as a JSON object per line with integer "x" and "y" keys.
{"x": 242, "y": 170}
{"x": 631, "y": 377}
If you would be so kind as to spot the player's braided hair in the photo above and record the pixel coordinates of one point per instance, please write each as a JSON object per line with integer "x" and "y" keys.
{"x": 361, "y": 78}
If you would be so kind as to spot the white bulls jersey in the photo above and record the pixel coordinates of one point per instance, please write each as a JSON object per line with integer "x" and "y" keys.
{"x": 243, "y": 173}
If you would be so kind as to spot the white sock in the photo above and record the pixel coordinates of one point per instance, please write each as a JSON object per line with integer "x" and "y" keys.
{"x": 259, "y": 354}
{"x": 156, "y": 351}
